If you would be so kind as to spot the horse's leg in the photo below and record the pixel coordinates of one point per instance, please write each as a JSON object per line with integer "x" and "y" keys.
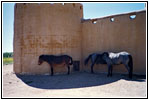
{"x": 130, "y": 64}
{"x": 109, "y": 70}
{"x": 128, "y": 69}
{"x": 92, "y": 71}
{"x": 93, "y": 62}
{"x": 68, "y": 69}
{"x": 51, "y": 69}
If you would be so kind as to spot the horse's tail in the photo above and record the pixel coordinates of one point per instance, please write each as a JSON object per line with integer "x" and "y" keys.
{"x": 130, "y": 64}
{"x": 87, "y": 59}
{"x": 70, "y": 63}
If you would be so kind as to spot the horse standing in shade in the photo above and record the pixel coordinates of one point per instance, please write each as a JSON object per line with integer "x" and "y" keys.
{"x": 96, "y": 58}
{"x": 110, "y": 59}
{"x": 52, "y": 59}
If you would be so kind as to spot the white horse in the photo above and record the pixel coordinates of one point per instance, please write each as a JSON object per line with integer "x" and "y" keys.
{"x": 118, "y": 58}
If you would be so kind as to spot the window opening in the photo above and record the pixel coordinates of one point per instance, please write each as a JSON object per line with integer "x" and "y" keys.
{"x": 94, "y": 22}
{"x": 132, "y": 16}
{"x": 112, "y": 19}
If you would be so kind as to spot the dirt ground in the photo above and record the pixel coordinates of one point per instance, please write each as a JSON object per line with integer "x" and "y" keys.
{"x": 75, "y": 85}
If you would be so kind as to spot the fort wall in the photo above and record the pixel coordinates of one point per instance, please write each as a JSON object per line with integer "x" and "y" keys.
{"x": 45, "y": 29}
{"x": 115, "y": 34}
{"x": 59, "y": 29}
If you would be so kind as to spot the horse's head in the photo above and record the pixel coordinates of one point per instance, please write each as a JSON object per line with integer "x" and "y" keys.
{"x": 40, "y": 61}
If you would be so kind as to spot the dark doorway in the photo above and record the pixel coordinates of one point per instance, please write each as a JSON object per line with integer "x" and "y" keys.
{"x": 76, "y": 65}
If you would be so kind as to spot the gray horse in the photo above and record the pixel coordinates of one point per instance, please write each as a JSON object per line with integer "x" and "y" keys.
{"x": 110, "y": 59}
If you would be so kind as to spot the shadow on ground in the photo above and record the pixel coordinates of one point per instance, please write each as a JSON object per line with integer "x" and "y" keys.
{"x": 74, "y": 80}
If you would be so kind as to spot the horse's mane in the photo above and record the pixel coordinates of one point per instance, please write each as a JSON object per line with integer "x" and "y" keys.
{"x": 105, "y": 53}
{"x": 41, "y": 56}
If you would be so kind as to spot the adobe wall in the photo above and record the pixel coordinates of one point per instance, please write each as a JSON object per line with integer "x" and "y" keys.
{"x": 45, "y": 29}
{"x": 123, "y": 34}
{"x": 59, "y": 29}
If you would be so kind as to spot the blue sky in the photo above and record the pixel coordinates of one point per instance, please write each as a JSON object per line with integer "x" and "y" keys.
{"x": 90, "y": 10}
{"x": 105, "y": 9}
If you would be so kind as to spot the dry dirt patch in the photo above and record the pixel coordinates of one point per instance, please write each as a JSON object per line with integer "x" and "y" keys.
{"x": 74, "y": 85}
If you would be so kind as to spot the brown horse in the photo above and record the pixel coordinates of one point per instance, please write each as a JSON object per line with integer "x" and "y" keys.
{"x": 52, "y": 60}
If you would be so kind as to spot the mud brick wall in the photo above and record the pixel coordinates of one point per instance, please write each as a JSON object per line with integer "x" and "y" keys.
{"x": 45, "y": 29}
{"x": 121, "y": 34}
{"x": 60, "y": 29}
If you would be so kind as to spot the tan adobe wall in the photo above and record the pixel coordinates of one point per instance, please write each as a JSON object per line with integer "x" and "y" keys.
{"x": 123, "y": 34}
{"x": 45, "y": 29}
{"x": 59, "y": 29}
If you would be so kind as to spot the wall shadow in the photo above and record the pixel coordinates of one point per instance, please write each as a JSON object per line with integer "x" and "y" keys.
{"x": 74, "y": 80}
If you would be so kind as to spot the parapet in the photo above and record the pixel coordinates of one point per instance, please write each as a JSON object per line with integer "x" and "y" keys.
{"x": 70, "y": 7}
{"x": 132, "y": 15}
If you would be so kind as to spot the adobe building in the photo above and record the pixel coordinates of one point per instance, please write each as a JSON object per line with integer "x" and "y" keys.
{"x": 60, "y": 29}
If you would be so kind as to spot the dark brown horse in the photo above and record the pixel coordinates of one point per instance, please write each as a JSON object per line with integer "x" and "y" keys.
{"x": 52, "y": 60}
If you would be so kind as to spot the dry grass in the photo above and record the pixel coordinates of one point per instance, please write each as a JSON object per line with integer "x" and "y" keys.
{"x": 7, "y": 61}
